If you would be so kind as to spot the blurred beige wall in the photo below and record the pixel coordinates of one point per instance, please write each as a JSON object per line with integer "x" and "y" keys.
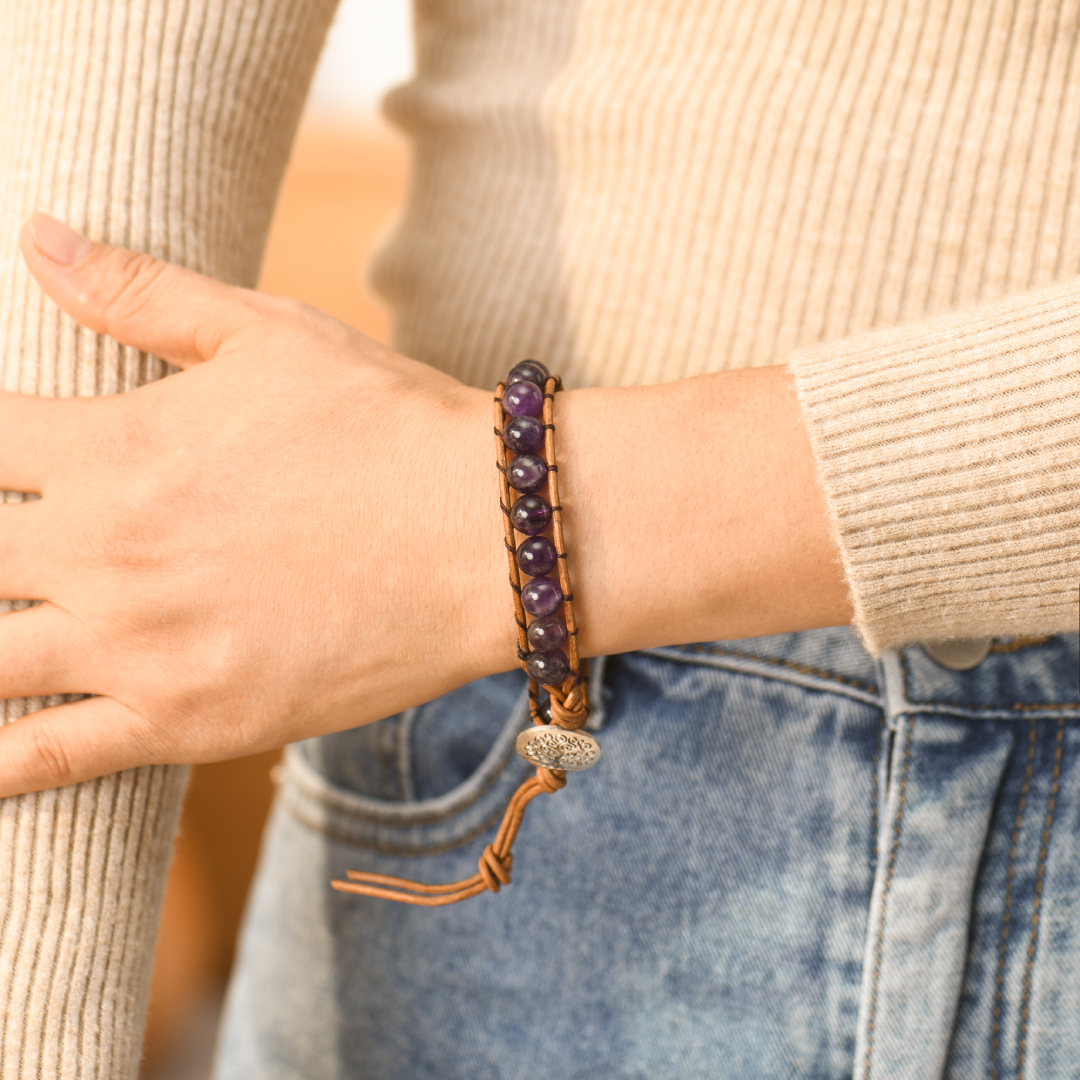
{"x": 343, "y": 189}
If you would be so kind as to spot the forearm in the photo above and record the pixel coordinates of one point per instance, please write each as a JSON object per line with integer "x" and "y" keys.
{"x": 692, "y": 512}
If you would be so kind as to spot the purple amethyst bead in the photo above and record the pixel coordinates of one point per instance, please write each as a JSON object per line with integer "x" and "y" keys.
{"x": 547, "y": 633}
{"x": 530, "y": 515}
{"x": 524, "y": 435}
{"x": 542, "y": 596}
{"x": 548, "y": 668}
{"x": 528, "y": 371}
{"x": 537, "y": 556}
{"x": 527, "y": 473}
{"x": 523, "y": 399}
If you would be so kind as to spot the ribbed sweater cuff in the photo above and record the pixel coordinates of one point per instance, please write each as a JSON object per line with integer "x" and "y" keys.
{"x": 949, "y": 452}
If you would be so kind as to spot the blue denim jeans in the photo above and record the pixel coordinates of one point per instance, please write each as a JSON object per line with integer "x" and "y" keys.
{"x": 792, "y": 861}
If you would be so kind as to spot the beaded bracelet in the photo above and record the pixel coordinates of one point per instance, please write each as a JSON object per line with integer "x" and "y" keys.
{"x": 555, "y": 745}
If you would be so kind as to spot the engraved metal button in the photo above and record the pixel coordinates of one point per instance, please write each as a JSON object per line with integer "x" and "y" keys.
{"x": 554, "y": 747}
{"x": 959, "y": 655}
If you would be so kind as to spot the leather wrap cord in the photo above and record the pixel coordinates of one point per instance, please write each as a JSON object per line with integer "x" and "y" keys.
{"x": 569, "y": 701}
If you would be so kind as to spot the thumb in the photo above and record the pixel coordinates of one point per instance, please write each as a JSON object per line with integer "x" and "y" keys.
{"x": 151, "y": 305}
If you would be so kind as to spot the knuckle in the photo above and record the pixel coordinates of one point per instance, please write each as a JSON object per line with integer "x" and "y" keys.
{"x": 125, "y": 546}
{"x": 129, "y": 535}
{"x": 127, "y": 286}
{"x": 288, "y": 318}
{"x": 286, "y": 308}
{"x": 117, "y": 438}
{"x": 48, "y": 763}
{"x": 135, "y": 435}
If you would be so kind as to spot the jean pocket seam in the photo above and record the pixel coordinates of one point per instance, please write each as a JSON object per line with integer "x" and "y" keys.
{"x": 332, "y": 831}
{"x": 445, "y": 821}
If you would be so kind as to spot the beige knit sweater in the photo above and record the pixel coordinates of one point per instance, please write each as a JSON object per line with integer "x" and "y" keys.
{"x": 635, "y": 190}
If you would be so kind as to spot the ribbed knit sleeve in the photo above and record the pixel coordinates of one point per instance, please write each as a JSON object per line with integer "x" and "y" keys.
{"x": 162, "y": 125}
{"x": 644, "y": 191}
{"x": 950, "y": 456}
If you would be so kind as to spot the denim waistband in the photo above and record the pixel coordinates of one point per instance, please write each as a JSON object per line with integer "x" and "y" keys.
{"x": 1020, "y": 679}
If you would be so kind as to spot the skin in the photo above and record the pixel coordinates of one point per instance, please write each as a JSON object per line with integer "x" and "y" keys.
{"x": 299, "y": 532}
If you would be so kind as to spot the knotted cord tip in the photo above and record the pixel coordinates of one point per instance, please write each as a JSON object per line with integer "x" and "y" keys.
{"x": 495, "y": 871}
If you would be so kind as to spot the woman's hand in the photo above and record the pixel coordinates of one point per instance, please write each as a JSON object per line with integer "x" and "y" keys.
{"x": 300, "y": 533}
{"x": 282, "y": 540}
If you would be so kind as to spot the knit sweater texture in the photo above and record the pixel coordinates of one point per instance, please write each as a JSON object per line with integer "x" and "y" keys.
{"x": 882, "y": 193}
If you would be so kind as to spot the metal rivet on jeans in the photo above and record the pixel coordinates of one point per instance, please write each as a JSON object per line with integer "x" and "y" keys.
{"x": 960, "y": 655}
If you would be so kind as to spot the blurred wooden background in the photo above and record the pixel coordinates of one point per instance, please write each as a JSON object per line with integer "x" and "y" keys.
{"x": 345, "y": 184}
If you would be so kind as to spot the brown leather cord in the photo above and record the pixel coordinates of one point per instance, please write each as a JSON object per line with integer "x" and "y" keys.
{"x": 569, "y": 702}
{"x": 573, "y": 715}
{"x": 496, "y": 860}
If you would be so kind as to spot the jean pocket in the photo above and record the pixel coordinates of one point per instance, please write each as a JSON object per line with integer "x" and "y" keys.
{"x": 427, "y": 780}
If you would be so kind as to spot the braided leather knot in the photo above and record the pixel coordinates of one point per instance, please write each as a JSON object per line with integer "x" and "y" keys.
{"x": 550, "y": 781}
{"x": 495, "y": 871}
{"x": 568, "y": 704}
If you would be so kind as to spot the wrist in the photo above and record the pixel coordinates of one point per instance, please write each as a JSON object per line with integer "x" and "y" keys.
{"x": 485, "y": 641}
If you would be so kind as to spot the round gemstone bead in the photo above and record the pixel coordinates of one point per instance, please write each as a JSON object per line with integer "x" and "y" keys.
{"x": 523, "y": 399}
{"x": 548, "y": 668}
{"x": 542, "y": 596}
{"x": 537, "y": 556}
{"x": 530, "y": 515}
{"x": 528, "y": 371}
{"x": 545, "y": 712}
{"x": 527, "y": 473}
{"x": 546, "y": 633}
{"x": 524, "y": 435}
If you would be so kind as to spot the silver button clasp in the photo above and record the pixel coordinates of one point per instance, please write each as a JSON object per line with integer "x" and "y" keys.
{"x": 558, "y": 748}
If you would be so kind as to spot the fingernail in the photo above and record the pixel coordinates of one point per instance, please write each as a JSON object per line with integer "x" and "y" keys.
{"x": 56, "y": 241}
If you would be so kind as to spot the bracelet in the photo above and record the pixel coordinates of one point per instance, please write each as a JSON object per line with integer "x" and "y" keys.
{"x": 555, "y": 744}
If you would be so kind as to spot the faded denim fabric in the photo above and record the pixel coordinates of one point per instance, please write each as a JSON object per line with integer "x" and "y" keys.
{"x": 792, "y": 861}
